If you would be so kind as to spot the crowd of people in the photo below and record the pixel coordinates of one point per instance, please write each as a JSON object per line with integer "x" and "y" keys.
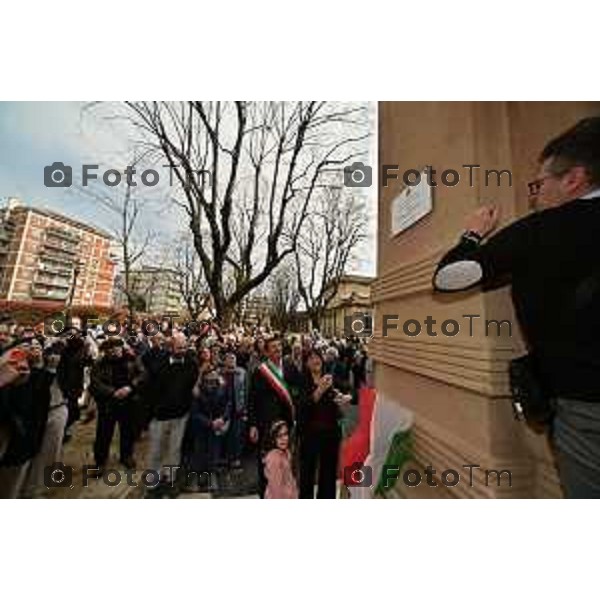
{"x": 205, "y": 403}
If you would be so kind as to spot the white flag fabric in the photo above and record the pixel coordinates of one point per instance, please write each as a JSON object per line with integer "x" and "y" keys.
{"x": 389, "y": 418}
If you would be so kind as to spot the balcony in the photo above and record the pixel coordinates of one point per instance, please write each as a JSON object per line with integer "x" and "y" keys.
{"x": 52, "y": 294}
{"x": 8, "y": 226}
{"x": 54, "y": 282}
{"x": 61, "y": 246}
{"x": 44, "y": 268}
{"x": 58, "y": 256}
{"x": 53, "y": 259}
{"x": 63, "y": 234}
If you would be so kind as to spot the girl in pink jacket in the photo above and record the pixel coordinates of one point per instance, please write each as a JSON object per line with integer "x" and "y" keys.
{"x": 281, "y": 483}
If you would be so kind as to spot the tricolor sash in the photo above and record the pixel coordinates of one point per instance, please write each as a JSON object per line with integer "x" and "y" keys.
{"x": 274, "y": 376}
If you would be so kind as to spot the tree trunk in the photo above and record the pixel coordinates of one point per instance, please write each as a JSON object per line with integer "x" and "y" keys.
{"x": 315, "y": 320}
{"x": 225, "y": 314}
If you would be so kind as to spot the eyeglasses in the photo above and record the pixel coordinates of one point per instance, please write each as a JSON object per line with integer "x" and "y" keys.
{"x": 535, "y": 186}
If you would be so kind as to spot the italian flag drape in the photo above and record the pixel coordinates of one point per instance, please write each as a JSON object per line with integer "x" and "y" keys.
{"x": 383, "y": 435}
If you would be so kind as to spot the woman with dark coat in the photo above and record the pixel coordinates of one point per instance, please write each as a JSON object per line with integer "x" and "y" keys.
{"x": 210, "y": 419}
{"x": 319, "y": 431}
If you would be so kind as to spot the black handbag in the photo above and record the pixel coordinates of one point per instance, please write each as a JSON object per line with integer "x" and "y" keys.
{"x": 530, "y": 400}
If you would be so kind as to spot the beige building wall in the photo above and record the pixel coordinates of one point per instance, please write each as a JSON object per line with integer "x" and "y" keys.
{"x": 353, "y": 297}
{"x": 457, "y": 386}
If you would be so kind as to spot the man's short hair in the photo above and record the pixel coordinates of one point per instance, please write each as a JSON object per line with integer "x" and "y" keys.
{"x": 576, "y": 147}
{"x": 270, "y": 340}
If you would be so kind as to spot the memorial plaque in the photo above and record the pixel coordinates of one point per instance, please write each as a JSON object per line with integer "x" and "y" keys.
{"x": 411, "y": 205}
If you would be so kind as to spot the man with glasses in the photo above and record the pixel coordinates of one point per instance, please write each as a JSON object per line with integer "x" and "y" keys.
{"x": 552, "y": 260}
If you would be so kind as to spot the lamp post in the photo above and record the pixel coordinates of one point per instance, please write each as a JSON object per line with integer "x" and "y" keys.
{"x": 76, "y": 271}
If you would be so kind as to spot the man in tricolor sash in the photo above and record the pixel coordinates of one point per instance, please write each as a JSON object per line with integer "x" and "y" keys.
{"x": 269, "y": 400}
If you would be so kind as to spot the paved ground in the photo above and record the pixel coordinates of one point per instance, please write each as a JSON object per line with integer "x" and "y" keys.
{"x": 78, "y": 452}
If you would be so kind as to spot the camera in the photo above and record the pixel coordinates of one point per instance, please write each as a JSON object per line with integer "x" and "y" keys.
{"x": 57, "y": 475}
{"x": 358, "y": 475}
{"x": 58, "y": 175}
{"x": 359, "y": 325}
{"x": 358, "y": 175}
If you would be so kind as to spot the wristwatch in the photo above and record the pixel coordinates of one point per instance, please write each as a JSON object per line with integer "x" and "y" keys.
{"x": 472, "y": 236}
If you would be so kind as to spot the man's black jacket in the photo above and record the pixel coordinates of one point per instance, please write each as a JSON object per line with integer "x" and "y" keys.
{"x": 552, "y": 260}
{"x": 265, "y": 406}
{"x": 109, "y": 374}
{"x": 175, "y": 379}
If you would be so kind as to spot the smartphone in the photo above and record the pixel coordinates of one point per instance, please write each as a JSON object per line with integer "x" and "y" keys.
{"x": 17, "y": 355}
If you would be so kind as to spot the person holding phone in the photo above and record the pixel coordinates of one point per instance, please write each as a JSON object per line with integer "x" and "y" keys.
{"x": 52, "y": 414}
{"x": 319, "y": 430}
{"x": 17, "y": 410}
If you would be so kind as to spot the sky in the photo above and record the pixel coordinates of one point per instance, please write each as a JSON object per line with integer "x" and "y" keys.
{"x": 34, "y": 135}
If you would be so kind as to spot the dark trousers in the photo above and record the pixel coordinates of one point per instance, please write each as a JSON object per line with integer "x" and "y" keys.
{"x": 576, "y": 437}
{"x": 109, "y": 414}
{"x": 262, "y": 480}
{"x": 236, "y": 438}
{"x": 319, "y": 451}
{"x": 73, "y": 406}
{"x": 142, "y": 415}
{"x": 261, "y": 451}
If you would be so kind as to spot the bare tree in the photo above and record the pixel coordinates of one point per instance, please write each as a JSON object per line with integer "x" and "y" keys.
{"x": 130, "y": 234}
{"x": 192, "y": 286}
{"x": 132, "y": 246}
{"x": 333, "y": 232}
{"x": 284, "y": 296}
{"x": 247, "y": 172}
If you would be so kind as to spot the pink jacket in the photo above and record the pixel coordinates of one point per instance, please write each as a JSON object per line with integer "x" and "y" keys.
{"x": 278, "y": 471}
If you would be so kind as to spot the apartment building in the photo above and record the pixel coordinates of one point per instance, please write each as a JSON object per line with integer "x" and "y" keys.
{"x": 155, "y": 290}
{"x": 48, "y": 256}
